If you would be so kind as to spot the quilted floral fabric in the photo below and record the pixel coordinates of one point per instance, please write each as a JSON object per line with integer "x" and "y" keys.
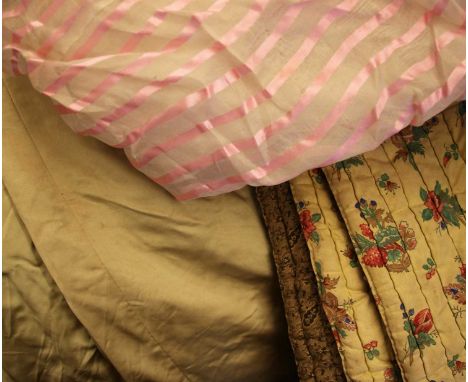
{"x": 310, "y": 334}
{"x": 399, "y": 229}
{"x": 346, "y": 299}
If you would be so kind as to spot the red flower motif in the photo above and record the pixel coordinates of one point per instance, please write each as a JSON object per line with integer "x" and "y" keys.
{"x": 366, "y": 231}
{"x": 446, "y": 158}
{"x": 423, "y": 321}
{"x": 307, "y": 224}
{"x": 388, "y": 375}
{"x": 430, "y": 274}
{"x": 371, "y": 345}
{"x": 374, "y": 258}
{"x": 460, "y": 365}
{"x": 463, "y": 270}
{"x": 434, "y": 204}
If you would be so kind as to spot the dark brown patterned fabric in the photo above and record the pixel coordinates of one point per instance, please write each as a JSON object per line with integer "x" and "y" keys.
{"x": 316, "y": 354}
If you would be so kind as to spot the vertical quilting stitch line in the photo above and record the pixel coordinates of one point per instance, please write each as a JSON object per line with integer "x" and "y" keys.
{"x": 266, "y": 215}
{"x": 325, "y": 328}
{"x": 343, "y": 273}
{"x": 423, "y": 235}
{"x": 427, "y": 188}
{"x": 444, "y": 118}
{"x": 443, "y": 171}
{"x": 393, "y": 284}
{"x": 311, "y": 276}
{"x": 344, "y": 361}
{"x": 299, "y": 310}
{"x": 411, "y": 261}
{"x": 392, "y": 281}
{"x": 382, "y": 311}
{"x": 389, "y": 274}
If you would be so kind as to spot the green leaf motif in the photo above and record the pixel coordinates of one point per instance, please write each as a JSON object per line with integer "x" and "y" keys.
{"x": 387, "y": 235}
{"x": 394, "y": 255}
{"x": 423, "y": 194}
{"x": 406, "y": 327}
{"x": 315, "y": 237}
{"x": 363, "y": 243}
{"x": 427, "y": 214}
{"x": 316, "y": 217}
{"x": 416, "y": 147}
{"x": 412, "y": 343}
{"x": 437, "y": 188}
{"x": 384, "y": 177}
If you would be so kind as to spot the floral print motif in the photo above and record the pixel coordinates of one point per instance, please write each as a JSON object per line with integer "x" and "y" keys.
{"x": 430, "y": 268}
{"x": 386, "y": 184}
{"x": 457, "y": 366}
{"x": 409, "y": 141}
{"x": 380, "y": 243}
{"x": 388, "y": 375}
{"x": 337, "y": 314}
{"x": 351, "y": 255}
{"x": 441, "y": 207}
{"x": 308, "y": 221}
{"x": 370, "y": 350}
{"x": 419, "y": 329}
{"x": 457, "y": 289}
{"x": 317, "y": 175}
{"x": 345, "y": 165}
{"x": 451, "y": 151}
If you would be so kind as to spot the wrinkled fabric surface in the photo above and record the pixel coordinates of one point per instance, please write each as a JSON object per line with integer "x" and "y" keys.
{"x": 165, "y": 291}
{"x": 310, "y": 334}
{"x": 402, "y": 206}
{"x": 42, "y": 338}
{"x": 345, "y": 294}
{"x": 207, "y": 96}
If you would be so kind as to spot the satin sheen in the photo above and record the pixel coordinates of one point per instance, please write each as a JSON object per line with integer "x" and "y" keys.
{"x": 208, "y": 96}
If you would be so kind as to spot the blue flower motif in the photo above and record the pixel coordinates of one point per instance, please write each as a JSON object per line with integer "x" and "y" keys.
{"x": 405, "y": 315}
{"x": 373, "y": 203}
{"x": 362, "y": 201}
{"x": 411, "y": 312}
{"x": 301, "y": 205}
{"x": 443, "y": 225}
{"x": 357, "y": 205}
{"x": 402, "y": 306}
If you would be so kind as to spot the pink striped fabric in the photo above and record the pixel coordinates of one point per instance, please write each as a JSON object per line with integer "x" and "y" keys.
{"x": 208, "y": 96}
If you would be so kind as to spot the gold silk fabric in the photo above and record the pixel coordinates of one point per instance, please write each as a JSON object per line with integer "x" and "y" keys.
{"x": 93, "y": 249}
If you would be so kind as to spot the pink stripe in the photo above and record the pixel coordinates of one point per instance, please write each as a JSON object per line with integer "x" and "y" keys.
{"x": 58, "y": 33}
{"x": 102, "y": 28}
{"x": 289, "y": 155}
{"x": 407, "y": 77}
{"x": 153, "y": 22}
{"x": 147, "y": 58}
{"x": 335, "y": 61}
{"x": 144, "y": 93}
{"x": 221, "y": 83}
{"x": 18, "y": 35}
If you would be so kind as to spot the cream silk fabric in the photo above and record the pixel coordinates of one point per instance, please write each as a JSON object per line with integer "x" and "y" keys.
{"x": 206, "y": 96}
